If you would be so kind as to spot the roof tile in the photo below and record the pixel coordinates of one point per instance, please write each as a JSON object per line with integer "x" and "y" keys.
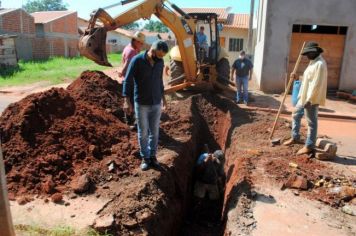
{"x": 43, "y": 17}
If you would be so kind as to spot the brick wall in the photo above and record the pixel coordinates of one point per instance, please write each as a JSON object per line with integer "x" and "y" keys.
{"x": 67, "y": 25}
{"x": 60, "y": 36}
{"x": 12, "y": 22}
{"x": 40, "y": 48}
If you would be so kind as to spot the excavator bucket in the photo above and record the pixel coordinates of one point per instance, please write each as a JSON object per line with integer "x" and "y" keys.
{"x": 93, "y": 45}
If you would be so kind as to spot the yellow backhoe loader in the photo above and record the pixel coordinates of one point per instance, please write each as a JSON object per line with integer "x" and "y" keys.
{"x": 190, "y": 65}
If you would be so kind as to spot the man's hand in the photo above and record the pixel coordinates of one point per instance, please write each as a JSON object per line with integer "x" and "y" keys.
{"x": 293, "y": 76}
{"x": 164, "y": 103}
{"x": 308, "y": 104}
{"x": 127, "y": 107}
{"x": 120, "y": 73}
{"x": 232, "y": 77}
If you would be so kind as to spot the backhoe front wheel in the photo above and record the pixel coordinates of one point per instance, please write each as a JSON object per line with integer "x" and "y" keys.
{"x": 223, "y": 71}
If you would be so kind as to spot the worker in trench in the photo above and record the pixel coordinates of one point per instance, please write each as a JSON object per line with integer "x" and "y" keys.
{"x": 131, "y": 50}
{"x": 312, "y": 94}
{"x": 210, "y": 179}
{"x": 144, "y": 80}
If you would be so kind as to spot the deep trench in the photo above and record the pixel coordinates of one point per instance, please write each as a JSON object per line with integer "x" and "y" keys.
{"x": 206, "y": 217}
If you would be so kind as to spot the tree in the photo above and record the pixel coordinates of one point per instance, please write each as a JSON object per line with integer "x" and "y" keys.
{"x": 156, "y": 26}
{"x": 44, "y": 5}
{"x": 131, "y": 26}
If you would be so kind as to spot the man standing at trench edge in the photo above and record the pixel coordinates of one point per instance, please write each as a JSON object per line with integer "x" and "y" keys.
{"x": 144, "y": 79}
{"x": 312, "y": 94}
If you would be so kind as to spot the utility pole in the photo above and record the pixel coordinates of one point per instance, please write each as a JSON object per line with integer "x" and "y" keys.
{"x": 250, "y": 28}
{"x": 6, "y": 227}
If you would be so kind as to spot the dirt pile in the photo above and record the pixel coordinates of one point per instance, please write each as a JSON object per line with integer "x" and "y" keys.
{"x": 52, "y": 138}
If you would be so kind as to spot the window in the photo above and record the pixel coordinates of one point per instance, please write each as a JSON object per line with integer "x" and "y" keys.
{"x": 235, "y": 44}
{"x": 320, "y": 29}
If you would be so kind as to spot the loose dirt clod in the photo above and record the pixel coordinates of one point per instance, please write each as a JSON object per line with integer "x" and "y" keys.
{"x": 57, "y": 198}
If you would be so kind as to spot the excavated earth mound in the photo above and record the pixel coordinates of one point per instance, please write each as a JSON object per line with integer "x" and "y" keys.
{"x": 52, "y": 138}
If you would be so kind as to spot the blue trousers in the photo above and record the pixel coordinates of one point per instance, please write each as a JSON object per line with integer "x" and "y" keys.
{"x": 148, "y": 119}
{"x": 311, "y": 115}
{"x": 242, "y": 88}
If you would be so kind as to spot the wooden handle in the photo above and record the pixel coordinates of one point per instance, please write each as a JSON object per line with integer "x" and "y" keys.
{"x": 296, "y": 66}
{"x": 6, "y": 227}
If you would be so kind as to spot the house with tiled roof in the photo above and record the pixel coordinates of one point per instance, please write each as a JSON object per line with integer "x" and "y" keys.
{"x": 41, "y": 35}
{"x": 17, "y": 22}
{"x": 234, "y": 33}
{"x": 56, "y": 34}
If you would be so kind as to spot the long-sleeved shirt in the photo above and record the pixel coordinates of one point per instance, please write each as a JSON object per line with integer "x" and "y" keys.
{"x": 314, "y": 85}
{"x": 127, "y": 55}
{"x": 143, "y": 81}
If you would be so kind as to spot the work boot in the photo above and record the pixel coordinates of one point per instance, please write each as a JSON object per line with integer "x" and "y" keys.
{"x": 145, "y": 164}
{"x": 305, "y": 150}
{"x": 291, "y": 141}
{"x": 154, "y": 162}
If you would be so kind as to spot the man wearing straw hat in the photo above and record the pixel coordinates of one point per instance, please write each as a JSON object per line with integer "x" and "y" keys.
{"x": 312, "y": 93}
{"x": 131, "y": 50}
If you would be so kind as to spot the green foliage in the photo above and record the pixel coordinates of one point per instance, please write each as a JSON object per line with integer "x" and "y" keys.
{"x": 156, "y": 26}
{"x": 131, "y": 26}
{"x": 55, "y": 70}
{"x": 44, "y": 5}
{"x": 34, "y": 230}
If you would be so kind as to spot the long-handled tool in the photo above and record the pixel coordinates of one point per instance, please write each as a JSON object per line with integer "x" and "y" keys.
{"x": 277, "y": 141}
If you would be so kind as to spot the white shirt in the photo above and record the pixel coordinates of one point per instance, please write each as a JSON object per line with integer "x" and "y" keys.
{"x": 314, "y": 84}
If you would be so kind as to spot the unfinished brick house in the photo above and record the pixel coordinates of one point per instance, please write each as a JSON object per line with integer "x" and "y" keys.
{"x": 56, "y": 34}
{"x": 41, "y": 35}
{"x": 18, "y": 22}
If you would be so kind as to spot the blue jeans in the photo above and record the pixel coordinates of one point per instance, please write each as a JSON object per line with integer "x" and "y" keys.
{"x": 242, "y": 84}
{"x": 311, "y": 114}
{"x": 148, "y": 118}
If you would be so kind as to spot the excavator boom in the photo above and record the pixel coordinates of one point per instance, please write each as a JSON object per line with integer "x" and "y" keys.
{"x": 93, "y": 43}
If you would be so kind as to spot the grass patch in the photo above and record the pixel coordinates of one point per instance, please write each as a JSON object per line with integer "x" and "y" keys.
{"x": 55, "y": 70}
{"x": 31, "y": 230}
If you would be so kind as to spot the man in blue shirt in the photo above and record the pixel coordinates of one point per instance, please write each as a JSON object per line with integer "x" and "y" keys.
{"x": 243, "y": 68}
{"x": 201, "y": 37}
{"x": 202, "y": 41}
{"x": 144, "y": 81}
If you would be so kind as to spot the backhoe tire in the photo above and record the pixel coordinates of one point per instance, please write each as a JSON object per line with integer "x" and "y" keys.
{"x": 177, "y": 70}
{"x": 223, "y": 71}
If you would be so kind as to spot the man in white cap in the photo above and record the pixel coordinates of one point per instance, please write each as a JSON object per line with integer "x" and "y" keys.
{"x": 131, "y": 50}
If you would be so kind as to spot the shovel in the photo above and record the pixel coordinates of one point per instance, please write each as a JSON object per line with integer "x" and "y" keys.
{"x": 277, "y": 141}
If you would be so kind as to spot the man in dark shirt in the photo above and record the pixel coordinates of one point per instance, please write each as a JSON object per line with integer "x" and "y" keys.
{"x": 144, "y": 80}
{"x": 243, "y": 68}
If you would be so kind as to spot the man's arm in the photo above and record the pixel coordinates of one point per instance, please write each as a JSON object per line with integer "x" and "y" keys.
{"x": 127, "y": 59}
{"x": 128, "y": 86}
{"x": 251, "y": 71}
{"x": 233, "y": 69}
{"x": 124, "y": 69}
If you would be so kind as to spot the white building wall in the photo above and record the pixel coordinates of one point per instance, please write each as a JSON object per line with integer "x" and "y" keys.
{"x": 234, "y": 33}
{"x": 278, "y": 17}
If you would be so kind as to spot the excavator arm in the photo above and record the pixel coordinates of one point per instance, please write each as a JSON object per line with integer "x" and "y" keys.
{"x": 93, "y": 43}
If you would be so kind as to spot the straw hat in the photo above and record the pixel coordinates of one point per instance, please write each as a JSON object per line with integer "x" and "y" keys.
{"x": 312, "y": 47}
{"x": 139, "y": 37}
